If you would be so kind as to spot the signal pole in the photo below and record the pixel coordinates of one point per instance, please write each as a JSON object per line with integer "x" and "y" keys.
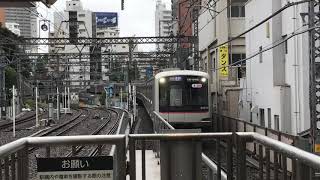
{"x": 314, "y": 68}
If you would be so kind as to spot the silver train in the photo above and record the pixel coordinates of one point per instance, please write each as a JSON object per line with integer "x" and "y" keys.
{"x": 180, "y": 96}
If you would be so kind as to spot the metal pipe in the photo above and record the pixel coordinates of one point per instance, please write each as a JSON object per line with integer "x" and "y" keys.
{"x": 14, "y": 146}
{"x": 213, "y": 166}
{"x": 181, "y": 136}
{"x": 75, "y": 140}
{"x": 291, "y": 151}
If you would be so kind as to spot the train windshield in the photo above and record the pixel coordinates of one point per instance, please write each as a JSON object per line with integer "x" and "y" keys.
{"x": 183, "y": 93}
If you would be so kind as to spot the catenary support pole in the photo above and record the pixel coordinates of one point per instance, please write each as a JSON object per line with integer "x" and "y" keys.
{"x": 65, "y": 100}
{"x": 14, "y": 111}
{"x": 68, "y": 98}
{"x": 58, "y": 105}
{"x": 37, "y": 110}
{"x": 121, "y": 98}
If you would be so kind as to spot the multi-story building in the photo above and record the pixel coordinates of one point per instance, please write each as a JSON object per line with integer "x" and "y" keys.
{"x": 163, "y": 22}
{"x": 76, "y": 22}
{"x": 14, "y": 27}
{"x": 217, "y": 24}
{"x": 25, "y": 17}
{"x": 2, "y": 17}
{"x": 275, "y": 92}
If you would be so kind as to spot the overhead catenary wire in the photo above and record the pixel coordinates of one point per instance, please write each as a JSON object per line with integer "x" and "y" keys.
{"x": 262, "y": 22}
{"x": 268, "y": 48}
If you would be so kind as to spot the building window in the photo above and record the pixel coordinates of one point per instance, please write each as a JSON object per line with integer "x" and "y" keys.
{"x": 269, "y": 118}
{"x": 260, "y": 55}
{"x": 285, "y": 44}
{"x": 262, "y": 120}
{"x": 276, "y": 122}
{"x": 213, "y": 60}
{"x": 82, "y": 15}
{"x": 238, "y": 11}
{"x": 235, "y": 58}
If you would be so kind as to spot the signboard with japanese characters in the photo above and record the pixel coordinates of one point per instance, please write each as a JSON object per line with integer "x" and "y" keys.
{"x": 71, "y": 168}
{"x": 224, "y": 61}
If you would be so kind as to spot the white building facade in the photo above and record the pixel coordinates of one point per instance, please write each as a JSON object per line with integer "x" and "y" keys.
{"x": 214, "y": 29}
{"x": 14, "y": 27}
{"x": 79, "y": 71}
{"x": 275, "y": 91}
{"x": 163, "y": 21}
{"x": 107, "y": 63}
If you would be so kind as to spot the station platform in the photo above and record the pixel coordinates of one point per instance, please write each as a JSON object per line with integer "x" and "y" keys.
{"x": 152, "y": 166}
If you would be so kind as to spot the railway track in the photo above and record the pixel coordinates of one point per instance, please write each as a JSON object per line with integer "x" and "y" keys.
{"x": 18, "y": 122}
{"x": 88, "y": 151}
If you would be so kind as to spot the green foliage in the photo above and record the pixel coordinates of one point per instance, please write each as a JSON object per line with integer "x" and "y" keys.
{"x": 10, "y": 50}
{"x": 11, "y": 79}
{"x": 103, "y": 98}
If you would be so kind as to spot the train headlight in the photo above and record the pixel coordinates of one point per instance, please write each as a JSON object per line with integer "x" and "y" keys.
{"x": 162, "y": 80}
{"x": 203, "y": 80}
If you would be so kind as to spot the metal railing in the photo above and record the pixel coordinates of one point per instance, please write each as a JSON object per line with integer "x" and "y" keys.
{"x": 160, "y": 124}
{"x": 303, "y": 162}
{"x": 228, "y": 124}
{"x": 15, "y": 156}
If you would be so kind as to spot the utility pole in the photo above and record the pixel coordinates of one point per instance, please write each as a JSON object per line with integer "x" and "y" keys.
{"x": 195, "y": 45}
{"x": 3, "y": 103}
{"x": 130, "y": 60}
{"x": 314, "y": 67}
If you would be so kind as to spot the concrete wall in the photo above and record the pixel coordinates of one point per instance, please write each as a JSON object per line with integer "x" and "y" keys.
{"x": 277, "y": 79}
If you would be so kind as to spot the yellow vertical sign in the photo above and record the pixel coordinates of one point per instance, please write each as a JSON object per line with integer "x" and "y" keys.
{"x": 317, "y": 148}
{"x": 224, "y": 61}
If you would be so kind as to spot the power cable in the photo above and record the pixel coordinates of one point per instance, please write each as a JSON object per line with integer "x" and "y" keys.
{"x": 269, "y": 48}
{"x": 262, "y": 22}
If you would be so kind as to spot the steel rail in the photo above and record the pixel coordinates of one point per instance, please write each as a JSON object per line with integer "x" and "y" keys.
{"x": 95, "y": 132}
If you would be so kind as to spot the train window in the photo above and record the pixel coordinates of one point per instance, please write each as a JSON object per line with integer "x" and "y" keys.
{"x": 175, "y": 95}
{"x": 188, "y": 94}
{"x": 163, "y": 96}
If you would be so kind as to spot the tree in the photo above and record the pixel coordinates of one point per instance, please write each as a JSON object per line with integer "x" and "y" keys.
{"x": 11, "y": 79}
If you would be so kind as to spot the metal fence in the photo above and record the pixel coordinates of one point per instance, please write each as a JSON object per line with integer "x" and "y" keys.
{"x": 304, "y": 162}
{"x": 15, "y": 157}
{"x": 160, "y": 125}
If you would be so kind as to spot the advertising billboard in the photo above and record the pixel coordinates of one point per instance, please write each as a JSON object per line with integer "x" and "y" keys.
{"x": 107, "y": 19}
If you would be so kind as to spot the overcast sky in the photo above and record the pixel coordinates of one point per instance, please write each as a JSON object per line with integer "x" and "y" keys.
{"x": 136, "y": 19}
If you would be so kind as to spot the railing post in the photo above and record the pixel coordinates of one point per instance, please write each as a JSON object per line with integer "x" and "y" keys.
{"x": 6, "y": 168}
{"x": 260, "y": 162}
{"x": 121, "y": 159}
{"x": 143, "y": 149}
{"x": 241, "y": 158}
{"x": 1, "y": 169}
{"x": 276, "y": 165}
{"x": 284, "y": 167}
{"x": 230, "y": 159}
{"x": 13, "y": 166}
{"x": 132, "y": 154}
{"x": 267, "y": 164}
{"x": 218, "y": 154}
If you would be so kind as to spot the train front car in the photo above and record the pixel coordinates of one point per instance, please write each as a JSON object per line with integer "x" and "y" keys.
{"x": 181, "y": 97}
